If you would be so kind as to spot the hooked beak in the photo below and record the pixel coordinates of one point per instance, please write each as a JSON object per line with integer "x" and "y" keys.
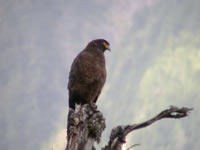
{"x": 107, "y": 46}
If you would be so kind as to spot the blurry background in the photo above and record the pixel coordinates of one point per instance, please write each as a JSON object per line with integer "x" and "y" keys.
{"x": 154, "y": 63}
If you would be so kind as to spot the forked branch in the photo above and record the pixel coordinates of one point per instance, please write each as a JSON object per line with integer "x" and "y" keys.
{"x": 86, "y": 124}
{"x": 118, "y": 134}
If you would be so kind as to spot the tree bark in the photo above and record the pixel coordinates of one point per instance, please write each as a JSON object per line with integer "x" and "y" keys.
{"x": 86, "y": 124}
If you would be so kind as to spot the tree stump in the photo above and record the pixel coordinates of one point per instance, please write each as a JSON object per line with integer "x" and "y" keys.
{"x": 86, "y": 124}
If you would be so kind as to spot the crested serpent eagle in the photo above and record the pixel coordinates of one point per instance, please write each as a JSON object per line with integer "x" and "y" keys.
{"x": 88, "y": 74}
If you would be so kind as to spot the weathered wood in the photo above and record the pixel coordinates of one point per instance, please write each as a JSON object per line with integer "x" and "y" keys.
{"x": 118, "y": 134}
{"x": 86, "y": 124}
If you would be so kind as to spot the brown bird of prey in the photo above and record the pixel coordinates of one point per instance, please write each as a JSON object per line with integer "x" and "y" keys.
{"x": 88, "y": 74}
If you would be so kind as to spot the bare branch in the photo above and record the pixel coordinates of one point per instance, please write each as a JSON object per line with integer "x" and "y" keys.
{"x": 86, "y": 124}
{"x": 118, "y": 134}
{"x": 133, "y": 146}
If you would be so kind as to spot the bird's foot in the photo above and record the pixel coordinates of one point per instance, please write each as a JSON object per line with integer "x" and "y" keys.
{"x": 93, "y": 105}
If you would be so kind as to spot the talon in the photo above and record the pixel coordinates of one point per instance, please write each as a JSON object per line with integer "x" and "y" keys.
{"x": 93, "y": 105}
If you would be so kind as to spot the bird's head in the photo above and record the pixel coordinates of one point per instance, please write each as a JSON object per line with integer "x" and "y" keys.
{"x": 101, "y": 44}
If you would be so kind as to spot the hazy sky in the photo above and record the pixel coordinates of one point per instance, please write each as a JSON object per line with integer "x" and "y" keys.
{"x": 154, "y": 63}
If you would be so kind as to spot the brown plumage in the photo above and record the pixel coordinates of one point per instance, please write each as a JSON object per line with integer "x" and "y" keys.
{"x": 88, "y": 74}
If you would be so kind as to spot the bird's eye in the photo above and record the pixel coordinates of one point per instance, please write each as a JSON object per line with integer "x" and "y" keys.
{"x": 106, "y": 45}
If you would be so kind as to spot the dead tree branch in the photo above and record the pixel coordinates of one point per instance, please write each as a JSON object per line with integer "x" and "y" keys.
{"x": 118, "y": 134}
{"x": 86, "y": 124}
{"x": 133, "y": 146}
